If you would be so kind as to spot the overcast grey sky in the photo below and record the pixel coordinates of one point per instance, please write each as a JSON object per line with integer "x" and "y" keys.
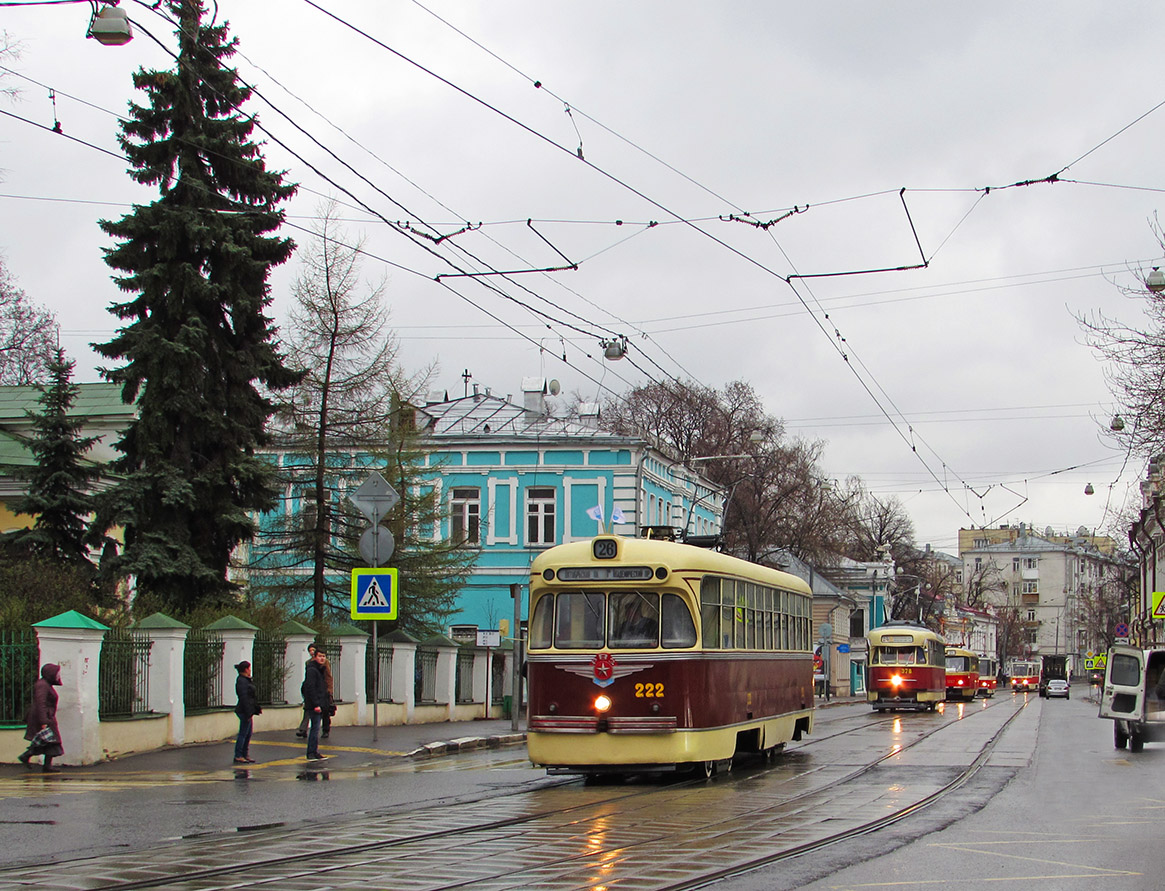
{"x": 963, "y": 388}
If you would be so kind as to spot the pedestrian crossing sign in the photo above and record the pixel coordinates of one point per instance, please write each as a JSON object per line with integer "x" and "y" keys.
{"x": 374, "y": 593}
{"x": 1159, "y": 604}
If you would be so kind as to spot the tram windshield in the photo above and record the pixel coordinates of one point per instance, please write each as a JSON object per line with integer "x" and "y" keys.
{"x": 899, "y": 656}
{"x": 591, "y": 620}
{"x": 962, "y": 663}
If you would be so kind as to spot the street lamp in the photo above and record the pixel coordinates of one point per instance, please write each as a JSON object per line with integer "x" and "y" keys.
{"x": 1155, "y": 280}
{"x": 110, "y": 25}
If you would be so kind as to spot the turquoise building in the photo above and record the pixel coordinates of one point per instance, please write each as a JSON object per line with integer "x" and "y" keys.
{"x": 513, "y": 480}
{"x": 517, "y": 480}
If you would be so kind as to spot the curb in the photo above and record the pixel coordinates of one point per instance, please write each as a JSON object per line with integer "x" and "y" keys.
{"x": 465, "y": 744}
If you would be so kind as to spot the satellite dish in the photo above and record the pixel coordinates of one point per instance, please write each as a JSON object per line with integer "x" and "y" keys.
{"x": 555, "y": 388}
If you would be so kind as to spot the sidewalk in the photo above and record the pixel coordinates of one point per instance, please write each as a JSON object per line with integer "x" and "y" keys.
{"x": 345, "y": 745}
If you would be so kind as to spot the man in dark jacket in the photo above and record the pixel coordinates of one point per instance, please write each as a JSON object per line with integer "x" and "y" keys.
{"x": 315, "y": 702}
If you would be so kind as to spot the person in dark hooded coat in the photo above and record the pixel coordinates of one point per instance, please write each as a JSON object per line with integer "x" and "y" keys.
{"x": 42, "y": 713}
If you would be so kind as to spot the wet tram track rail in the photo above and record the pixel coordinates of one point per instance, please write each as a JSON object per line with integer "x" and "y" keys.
{"x": 659, "y": 834}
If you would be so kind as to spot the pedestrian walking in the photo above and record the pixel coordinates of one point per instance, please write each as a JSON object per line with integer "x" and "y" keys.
{"x": 301, "y": 731}
{"x": 43, "y": 734}
{"x": 315, "y": 703}
{"x": 246, "y": 708}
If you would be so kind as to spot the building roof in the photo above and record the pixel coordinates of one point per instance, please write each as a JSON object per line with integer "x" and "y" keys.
{"x": 93, "y": 400}
{"x": 484, "y": 414}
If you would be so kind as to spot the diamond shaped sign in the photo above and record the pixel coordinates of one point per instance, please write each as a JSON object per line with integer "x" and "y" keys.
{"x": 374, "y": 497}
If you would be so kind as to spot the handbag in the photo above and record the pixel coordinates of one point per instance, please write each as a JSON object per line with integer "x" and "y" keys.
{"x": 45, "y": 738}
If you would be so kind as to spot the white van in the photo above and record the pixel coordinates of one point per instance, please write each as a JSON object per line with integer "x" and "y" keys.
{"x": 1132, "y": 696}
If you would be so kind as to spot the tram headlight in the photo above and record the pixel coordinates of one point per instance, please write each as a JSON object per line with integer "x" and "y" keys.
{"x": 602, "y": 702}
{"x": 896, "y": 680}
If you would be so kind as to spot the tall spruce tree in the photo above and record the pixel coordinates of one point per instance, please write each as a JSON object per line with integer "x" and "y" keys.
{"x": 59, "y": 483}
{"x": 199, "y": 350}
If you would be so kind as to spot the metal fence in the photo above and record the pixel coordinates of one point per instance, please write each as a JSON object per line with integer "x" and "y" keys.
{"x": 383, "y": 692}
{"x": 463, "y": 683}
{"x": 123, "y": 675}
{"x": 425, "y": 687}
{"x": 498, "y": 687}
{"x": 202, "y": 664}
{"x": 19, "y": 664}
{"x": 269, "y": 667}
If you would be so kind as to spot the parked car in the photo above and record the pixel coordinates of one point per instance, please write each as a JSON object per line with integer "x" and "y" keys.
{"x": 1058, "y": 687}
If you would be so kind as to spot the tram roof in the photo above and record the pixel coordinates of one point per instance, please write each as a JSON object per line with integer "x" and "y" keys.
{"x": 918, "y": 631}
{"x": 676, "y": 555}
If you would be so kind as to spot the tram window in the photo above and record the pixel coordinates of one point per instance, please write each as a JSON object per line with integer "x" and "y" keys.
{"x": 579, "y": 620}
{"x": 898, "y": 655}
{"x": 710, "y": 623}
{"x": 634, "y": 619}
{"x": 956, "y": 663}
{"x": 678, "y": 628}
{"x": 542, "y": 622}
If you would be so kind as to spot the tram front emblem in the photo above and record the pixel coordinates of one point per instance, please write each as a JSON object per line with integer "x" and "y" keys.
{"x": 604, "y": 666}
{"x": 603, "y": 670}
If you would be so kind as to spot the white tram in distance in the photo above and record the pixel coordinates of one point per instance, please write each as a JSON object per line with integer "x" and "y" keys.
{"x": 648, "y": 655}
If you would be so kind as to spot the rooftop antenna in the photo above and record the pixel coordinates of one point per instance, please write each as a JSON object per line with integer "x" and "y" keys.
{"x": 466, "y": 377}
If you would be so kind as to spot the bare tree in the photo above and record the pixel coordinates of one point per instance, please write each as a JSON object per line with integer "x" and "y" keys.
{"x": 1135, "y": 366}
{"x": 28, "y": 335}
{"x": 878, "y": 525}
{"x": 345, "y": 405}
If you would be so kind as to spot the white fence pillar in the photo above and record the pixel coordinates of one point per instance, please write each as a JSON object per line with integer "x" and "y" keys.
{"x": 238, "y": 639}
{"x": 353, "y": 667}
{"x": 166, "y": 694}
{"x": 446, "y": 688}
{"x": 73, "y": 641}
{"x": 295, "y": 658}
{"x": 404, "y": 675}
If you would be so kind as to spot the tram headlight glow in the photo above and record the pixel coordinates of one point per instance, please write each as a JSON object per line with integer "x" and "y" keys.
{"x": 896, "y": 680}
{"x": 602, "y": 702}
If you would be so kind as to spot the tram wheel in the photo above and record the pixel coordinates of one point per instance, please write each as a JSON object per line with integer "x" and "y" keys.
{"x": 1120, "y": 739}
{"x": 706, "y": 769}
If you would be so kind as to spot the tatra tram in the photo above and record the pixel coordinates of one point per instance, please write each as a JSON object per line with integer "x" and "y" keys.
{"x": 988, "y": 676}
{"x": 907, "y": 666}
{"x": 962, "y": 674}
{"x": 1024, "y": 676}
{"x": 648, "y": 655}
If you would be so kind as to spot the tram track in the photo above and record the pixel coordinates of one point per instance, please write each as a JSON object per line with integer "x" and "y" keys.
{"x": 576, "y": 820}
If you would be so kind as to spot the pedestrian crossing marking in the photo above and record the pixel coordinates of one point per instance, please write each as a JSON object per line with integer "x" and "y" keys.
{"x": 374, "y": 593}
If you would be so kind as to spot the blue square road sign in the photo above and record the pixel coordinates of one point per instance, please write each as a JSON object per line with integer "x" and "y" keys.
{"x": 374, "y": 593}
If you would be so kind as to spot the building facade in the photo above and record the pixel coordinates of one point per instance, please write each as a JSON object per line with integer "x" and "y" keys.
{"x": 1052, "y": 588}
{"x": 512, "y": 480}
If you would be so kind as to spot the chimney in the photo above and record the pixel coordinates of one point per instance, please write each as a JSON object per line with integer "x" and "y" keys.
{"x": 534, "y": 396}
{"x": 588, "y": 414}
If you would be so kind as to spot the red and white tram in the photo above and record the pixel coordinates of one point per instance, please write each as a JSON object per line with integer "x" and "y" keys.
{"x": 1024, "y": 676}
{"x": 907, "y": 666}
{"x": 962, "y": 674}
{"x": 648, "y": 655}
{"x": 988, "y": 676}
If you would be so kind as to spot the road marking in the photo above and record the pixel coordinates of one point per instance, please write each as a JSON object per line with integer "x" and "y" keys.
{"x": 329, "y": 748}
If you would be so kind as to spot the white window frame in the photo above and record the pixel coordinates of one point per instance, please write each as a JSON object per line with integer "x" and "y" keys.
{"x": 465, "y": 515}
{"x": 541, "y": 509}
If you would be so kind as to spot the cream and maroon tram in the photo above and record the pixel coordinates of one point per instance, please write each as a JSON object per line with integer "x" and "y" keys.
{"x": 647, "y": 655}
{"x": 962, "y": 674}
{"x": 1024, "y": 676}
{"x": 907, "y": 667}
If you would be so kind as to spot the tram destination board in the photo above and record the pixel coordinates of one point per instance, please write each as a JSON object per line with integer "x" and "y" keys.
{"x": 605, "y": 573}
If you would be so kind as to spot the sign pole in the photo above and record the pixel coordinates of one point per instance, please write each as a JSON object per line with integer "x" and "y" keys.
{"x": 375, "y": 647}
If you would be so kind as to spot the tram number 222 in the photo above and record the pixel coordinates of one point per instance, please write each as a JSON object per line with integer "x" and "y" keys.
{"x": 649, "y": 691}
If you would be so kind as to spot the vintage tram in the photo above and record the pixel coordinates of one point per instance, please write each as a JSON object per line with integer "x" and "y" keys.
{"x": 962, "y": 674}
{"x": 1024, "y": 676}
{"x": 648, "y": 655}
{"x": 907, "y": 667}
{"x": 988, "y": 676}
